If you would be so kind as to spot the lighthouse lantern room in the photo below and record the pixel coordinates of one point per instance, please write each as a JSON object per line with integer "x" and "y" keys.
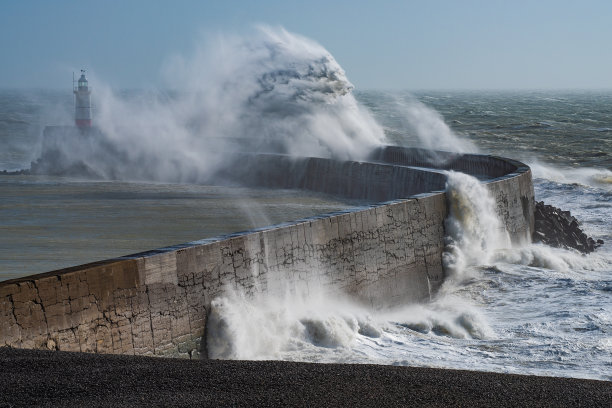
{"x": 82, "y": 102}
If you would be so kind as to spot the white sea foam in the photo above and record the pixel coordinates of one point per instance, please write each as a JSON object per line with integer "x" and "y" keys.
{"x": 586, "y": 176}
{"x": 447, "y": 315}
{"x": 300, "y": 324}
{"x": 557, "y": 259}
{"x": 476, "y": 236}
{"x": 474, "y": 232}
{"x": 310, "y": 325}
{"x": 318, "y": 327}
{"x": 295, "y": 325}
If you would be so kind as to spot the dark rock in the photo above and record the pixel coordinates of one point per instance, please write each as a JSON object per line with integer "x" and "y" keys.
{"x": 558, "y": 228}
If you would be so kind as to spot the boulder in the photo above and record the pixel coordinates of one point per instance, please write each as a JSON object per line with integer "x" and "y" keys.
{"x": 558, "y": 228}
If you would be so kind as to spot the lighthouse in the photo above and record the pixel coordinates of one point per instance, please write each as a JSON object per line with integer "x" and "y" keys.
{"x": 82, "y": 103}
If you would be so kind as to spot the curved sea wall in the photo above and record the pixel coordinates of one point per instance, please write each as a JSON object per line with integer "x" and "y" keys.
{"x": 383, "y": 254}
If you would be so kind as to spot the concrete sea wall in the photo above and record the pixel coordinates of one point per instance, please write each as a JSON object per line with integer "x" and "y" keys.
{"x": 156, "y": 302}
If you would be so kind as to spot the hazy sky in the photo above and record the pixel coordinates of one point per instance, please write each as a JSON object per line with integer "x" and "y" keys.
{"x": 454, "y": 44}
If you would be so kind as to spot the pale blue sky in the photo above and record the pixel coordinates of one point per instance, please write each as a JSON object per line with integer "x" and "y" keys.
{"x": 462, "y": 44}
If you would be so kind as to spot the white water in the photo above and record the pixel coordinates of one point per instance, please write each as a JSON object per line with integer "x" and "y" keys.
{"x": 526, "y": 309}
{"x": 270, "y": 90}
{"x": 427, "y": 127}
{"x": 474, "y": 231}
{"x": 296, "y": 325}
{"x": 585, "y": 176}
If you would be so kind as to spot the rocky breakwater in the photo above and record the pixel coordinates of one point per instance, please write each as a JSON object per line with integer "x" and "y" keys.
{"x": 558, "y": 228}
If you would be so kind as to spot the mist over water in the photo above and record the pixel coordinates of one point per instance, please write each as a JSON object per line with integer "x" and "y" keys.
{"x": 585, "y": 176}
{"x": 271, "y": 91}
{"x": 429, "y": 127}
{"x": 407, "y": 121}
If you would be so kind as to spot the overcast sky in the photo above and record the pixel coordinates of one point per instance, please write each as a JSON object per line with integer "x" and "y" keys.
{"x": 462, "y": 44}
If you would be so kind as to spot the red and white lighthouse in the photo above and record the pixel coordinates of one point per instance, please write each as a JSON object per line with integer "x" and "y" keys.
{"x": 82, "y": 103}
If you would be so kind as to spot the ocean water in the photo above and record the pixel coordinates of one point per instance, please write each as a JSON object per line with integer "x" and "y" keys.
{"x": 49, "y": 223}
{"x": 529, "y": 309}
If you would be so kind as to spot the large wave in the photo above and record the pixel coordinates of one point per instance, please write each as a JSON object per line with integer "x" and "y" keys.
{"x": 268, "y": 91}
{"x": 299, "y": 324}
{"x": 477, "y": 237}
{"x": 585, "y": 176}
{"x": 310, "y": 325}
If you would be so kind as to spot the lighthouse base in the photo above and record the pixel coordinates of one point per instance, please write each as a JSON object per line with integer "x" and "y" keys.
{"x": 72, "y": 151}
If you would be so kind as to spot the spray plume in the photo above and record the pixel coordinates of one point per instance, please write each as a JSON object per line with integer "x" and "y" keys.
{"x": 295, "y": 324}
{"x": 586, "y": 176}
{"x": 477, "y": 237}
{"x": 426, "y": 127}
{"x": 273, "y": 91}
{"x": 474, "y": 231}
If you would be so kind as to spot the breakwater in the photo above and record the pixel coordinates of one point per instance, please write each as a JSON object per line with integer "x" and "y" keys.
{"x": 383, "y": 254}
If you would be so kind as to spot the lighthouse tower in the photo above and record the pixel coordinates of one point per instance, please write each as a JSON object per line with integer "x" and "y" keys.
{"x": 82, "y": 103}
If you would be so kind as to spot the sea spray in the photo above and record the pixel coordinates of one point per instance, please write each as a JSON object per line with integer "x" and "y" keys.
{"x": 272, "y": 91}
{"x": 295, "y": 325}
{"x": 421, "y": 125}
{"x": 473, "y": 234}
{"x": 473, "y": 230}
{"x": 430, "y": 128}
{"x": 299, "y": 324}
{"x": 477, "y": 242}
{"x": 476, "y": 236}
{"x": 585, "y": 176}
{"x": 556, "y": 259}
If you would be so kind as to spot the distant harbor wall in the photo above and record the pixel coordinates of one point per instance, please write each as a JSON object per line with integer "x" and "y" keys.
{"x": 156, "y": 302}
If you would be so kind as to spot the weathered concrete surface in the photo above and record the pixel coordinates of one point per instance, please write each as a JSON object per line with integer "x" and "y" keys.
{"x": 373, "y": 182}
{"x": 156, "y": 302}
{"x": 509, "y": 181}
{"x": 514, "y": 198}
{"x": 474, "y": 164}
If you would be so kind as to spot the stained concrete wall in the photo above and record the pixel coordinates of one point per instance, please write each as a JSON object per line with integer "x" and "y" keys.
{"x": 372, "y": 182}
{"x": 474, "y": 164}
{"x": 156, "y": 302}
{"x": 509, "y": 181}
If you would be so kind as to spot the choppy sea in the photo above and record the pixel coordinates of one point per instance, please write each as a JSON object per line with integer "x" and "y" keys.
{"x": 528, "y": 310}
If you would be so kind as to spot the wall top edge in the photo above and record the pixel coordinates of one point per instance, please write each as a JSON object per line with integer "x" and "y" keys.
{"x": 521, "y": 168}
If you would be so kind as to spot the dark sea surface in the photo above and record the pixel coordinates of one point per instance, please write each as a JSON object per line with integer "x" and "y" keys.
{"x": 568, "y": 129}
{"x": 532, "y": 309}
{"x": 48, "y": 223}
